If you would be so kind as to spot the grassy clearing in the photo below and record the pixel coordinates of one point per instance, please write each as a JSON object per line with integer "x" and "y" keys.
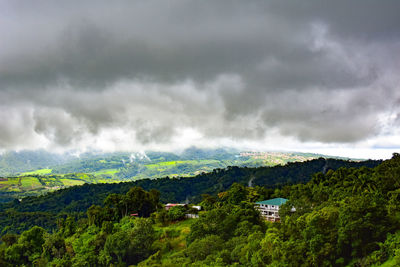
{"x": 30, "y": 183}
{"x": 37, "y": 172}
{"x": 70, "y": 182}
{"x": 175, "y": 234}
{"x": 164, "y": 164}
{"x": 107, "y": 181}
{"x": 10, "y": 181}
{"x": 11, "y": 185}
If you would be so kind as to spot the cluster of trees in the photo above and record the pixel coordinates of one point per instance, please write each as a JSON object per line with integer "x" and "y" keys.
{"x": 116, "y": 206}
{"x": 81, "y": 244}
{"x": 107, "y": 235}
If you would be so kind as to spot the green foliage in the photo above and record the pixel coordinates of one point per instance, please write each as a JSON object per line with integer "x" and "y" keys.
{"x": 201, "y": 248}
{"x": 176, "y": 213}
{"x": 347, "y": 217}
{"x": 28, "y": 248}
{"x": 37, "y": 172}
{"x": 116, "y": 248}
{"x": 161, "y": 217}
{"x": 136, "y": 200}
{"x": 43, "y": 172}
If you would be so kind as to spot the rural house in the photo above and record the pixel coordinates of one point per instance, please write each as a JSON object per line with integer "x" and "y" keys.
{"x": 269, "y": 209}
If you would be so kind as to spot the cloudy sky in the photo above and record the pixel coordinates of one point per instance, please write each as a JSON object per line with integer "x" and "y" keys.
{"x": 319, "y": 76}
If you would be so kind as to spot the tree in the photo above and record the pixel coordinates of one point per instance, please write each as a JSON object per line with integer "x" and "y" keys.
{"x": 9, "y": 239}
{"x": 162, "y": 217}
{"x": 116, "y": 248}
{"x": 236, "y": 194}
{"x": 96, "y": 215}
{"x": 176, "y": 213}
{"x": 201, "y": 248}
{"x": 141, "y": 237}
{"x": 115, "y": 201}
{"x": 28, "y": 249}
{"x": 53, "y": 247}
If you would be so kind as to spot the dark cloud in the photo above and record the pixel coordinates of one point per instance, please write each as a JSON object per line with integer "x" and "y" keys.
{"x": 317, "y": 71}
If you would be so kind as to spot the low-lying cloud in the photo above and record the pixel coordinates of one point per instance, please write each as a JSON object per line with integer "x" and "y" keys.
{"x": 141, "y": 73}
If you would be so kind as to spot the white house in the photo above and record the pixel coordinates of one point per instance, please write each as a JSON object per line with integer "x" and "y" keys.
{"x": 269, "y": 209}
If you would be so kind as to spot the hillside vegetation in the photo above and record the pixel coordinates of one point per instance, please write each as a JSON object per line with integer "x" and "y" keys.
{"x": 78, "y": 199}
{"x": 344, "y": 217}
{"x": 36, "y": 173}
{"x": 150, "y": 164}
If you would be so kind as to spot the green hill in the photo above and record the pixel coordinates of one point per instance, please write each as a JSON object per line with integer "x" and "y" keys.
{"x": 28, "y": 173}
{"x": 80, "y": 198}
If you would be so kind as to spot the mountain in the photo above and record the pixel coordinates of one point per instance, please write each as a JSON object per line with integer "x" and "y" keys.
{"x": 29, "y": 173}
{"x": 79, "y": 198}
{"x": 121, "y": 163}
{"x": 14, "y": 162}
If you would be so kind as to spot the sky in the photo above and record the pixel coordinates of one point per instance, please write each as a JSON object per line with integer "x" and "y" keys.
{"x": 316, "y": 76}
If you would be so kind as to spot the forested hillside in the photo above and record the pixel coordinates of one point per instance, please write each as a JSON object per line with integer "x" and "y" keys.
{"x": 149, "y": 164}
{"x": 344, "y": 217}
{"x": 80, "y": 198}
{"x": 33, "y": 173}
{"x": 12, "y": 162}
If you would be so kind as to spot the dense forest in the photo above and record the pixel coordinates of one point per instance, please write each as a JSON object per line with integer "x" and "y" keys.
{"x": 17, "y": 216}
{"x": 347, "y": 217}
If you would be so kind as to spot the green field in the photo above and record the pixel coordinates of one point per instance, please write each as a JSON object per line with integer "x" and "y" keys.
{"x": 38, "y": 184}
{"x": 70, "y": 182}
{"x": 182, "y": 168}
{"x": 179, "y": 162}
{"x": 116, "y": 167}
{"x": 37, "y": 172}
{"x": 10, "y": 185}
{"x": 30, "y": 183}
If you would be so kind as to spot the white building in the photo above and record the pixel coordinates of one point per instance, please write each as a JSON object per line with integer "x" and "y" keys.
{"x": 269, "y": 209}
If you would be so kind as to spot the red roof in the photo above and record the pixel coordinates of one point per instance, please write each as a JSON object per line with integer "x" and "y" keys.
{"x": 170, "y": 205}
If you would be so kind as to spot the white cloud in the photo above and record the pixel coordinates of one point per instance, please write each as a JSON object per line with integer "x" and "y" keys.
{"x": 148, "y": 75}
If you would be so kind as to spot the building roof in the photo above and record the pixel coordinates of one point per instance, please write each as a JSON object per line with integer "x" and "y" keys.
{"x": 174, "y": 204}
{"x": 275, "y": 201}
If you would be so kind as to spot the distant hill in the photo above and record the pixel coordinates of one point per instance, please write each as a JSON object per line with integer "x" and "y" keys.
{"x": 79, "y": 198}
{"x": 29, "y": 173}
{"x": 13, "y": 162}
{"x": 131, "y": 165}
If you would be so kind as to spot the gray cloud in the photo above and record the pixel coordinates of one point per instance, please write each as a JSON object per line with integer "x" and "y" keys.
{"x": 71, "y": 73}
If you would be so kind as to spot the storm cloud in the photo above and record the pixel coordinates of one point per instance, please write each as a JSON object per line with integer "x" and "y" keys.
{"x": 149, "y": 74}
